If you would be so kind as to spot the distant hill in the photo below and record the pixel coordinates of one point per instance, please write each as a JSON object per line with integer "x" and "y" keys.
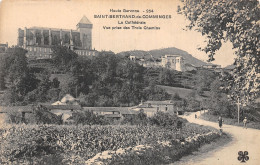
{"x": 157, "y": 53}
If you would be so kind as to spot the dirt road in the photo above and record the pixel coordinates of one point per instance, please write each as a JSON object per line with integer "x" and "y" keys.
{"x": 242, "y": 140}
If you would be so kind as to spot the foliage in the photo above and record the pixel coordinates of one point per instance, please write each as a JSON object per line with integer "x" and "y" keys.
{"x": 46, "y": 89}
{"x": 43, "y": 116}
{"x": 16, "y": 76}
{"x": 176, "y": 96}
{"x": 154, "y": 92}
{"x": 25, "y": 143}
{"x": 87, "y": 118}
{"x": 63, "y": 57}
{"x": 236, "y": 21}
{"x": 139, "y": 119}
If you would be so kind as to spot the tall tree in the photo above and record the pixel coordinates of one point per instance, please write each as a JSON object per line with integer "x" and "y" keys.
{"x": 63, "y": 57}
{"x": 237, "y": 21}
{"x": 19, "y": 79}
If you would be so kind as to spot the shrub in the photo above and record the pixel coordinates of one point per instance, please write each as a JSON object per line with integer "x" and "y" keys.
{"x": 166, "y": 120}
{"x": 88, "y": 118}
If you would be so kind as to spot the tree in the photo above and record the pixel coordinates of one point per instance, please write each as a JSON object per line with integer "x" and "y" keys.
{"x": 176, "y": 96}
{"x": 63, "y": 57}
{"x": 237, "y": 21}
{"x": 17, "y": 76}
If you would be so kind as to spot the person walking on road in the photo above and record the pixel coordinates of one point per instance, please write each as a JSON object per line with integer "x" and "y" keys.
{"x": 220, "y": 121}
{"x": 245, "y": 122}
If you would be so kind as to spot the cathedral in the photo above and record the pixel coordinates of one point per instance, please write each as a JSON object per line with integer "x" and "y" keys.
{"x": 38, "y": 41}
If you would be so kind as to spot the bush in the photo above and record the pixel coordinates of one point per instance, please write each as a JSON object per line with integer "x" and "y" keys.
{"x": 140, "y": 119}
{"x": 167, "y": 120}
{"x": 88, "y": 118}
{"x": 176, "y": 96}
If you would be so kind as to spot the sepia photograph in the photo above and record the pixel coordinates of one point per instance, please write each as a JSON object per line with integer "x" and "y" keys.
{"x": 129, "y": 82}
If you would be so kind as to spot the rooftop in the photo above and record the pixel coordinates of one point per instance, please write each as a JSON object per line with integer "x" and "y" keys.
{"x": 167, "y": 55}
{"x": 53, "y": 29}
{"x": 85, "y": 20}
{"x": 166, "y": 102}
{"x": 16, "y": 108}
{"x": 122, "y": 110}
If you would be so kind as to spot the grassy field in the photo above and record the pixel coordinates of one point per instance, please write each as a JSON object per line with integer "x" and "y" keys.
{"x": 183, "y": 92}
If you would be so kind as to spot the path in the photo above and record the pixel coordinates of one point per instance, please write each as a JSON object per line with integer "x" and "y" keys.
{"x": 242, "y": 140}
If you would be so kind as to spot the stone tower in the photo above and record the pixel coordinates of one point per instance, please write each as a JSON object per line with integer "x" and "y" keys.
{"x": 85, "y": 28}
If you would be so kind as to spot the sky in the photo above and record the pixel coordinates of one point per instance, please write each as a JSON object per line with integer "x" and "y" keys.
{"x": 65, "y": 14}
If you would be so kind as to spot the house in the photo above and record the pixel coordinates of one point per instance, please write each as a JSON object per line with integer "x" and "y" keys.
{"x": 64, "y": 110}
{"x": 23, "y": 110}
{"x": 211, "y": 66}
{"x": 65, "y": 107}
{"x": 3, "y": 47}
{"x": 69, "y": 100}
{"x": 175, "y": 62}
{"x": 112, "y": 112}
{"x": 132, "y": 58}
{"x": 58, "y": 103}
{"x": 152, "y": 107}
{"x": 149, "y": 111}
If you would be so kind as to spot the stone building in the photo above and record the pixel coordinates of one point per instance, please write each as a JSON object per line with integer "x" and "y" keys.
{"x": 175, "y": 62}
{"x": 3, "y": 47}
{"x": 39, "y": 40}
{"x": 150, "y": 108}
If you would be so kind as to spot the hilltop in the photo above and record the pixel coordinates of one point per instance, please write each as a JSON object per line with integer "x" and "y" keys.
{"x": 157, "y": 53}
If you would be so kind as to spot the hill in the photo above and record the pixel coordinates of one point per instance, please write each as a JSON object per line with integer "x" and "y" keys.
{"x": 183, "y": 92}
{"x": 157, "y": 53}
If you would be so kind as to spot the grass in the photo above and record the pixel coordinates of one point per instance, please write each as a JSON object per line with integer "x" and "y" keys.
{"x": 183, "y": 92}
{"x": 229, "y": 121}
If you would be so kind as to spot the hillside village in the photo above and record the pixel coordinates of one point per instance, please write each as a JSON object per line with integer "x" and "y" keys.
{"x": 63, "y": 62}
{"x": 64, "y": 102}
{"x": 172, "y": 61}
{"x": 149, "y": 107}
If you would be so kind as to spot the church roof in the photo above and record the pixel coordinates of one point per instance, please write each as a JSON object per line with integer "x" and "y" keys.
{"x": 85, "y": 20}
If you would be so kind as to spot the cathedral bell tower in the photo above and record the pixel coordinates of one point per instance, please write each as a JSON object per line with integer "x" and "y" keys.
{"x": 85, "y": 28}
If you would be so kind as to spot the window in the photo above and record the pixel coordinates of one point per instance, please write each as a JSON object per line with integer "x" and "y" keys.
{"x": 173, "y": 60}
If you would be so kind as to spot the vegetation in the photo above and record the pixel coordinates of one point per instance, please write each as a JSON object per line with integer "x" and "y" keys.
{"x": 104, "y": 80}
{"x": 236, "y": 21}
{"x": 39, "y": 144}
